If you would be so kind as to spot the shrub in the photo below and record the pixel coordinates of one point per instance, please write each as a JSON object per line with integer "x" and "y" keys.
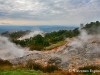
{"x": 36, "y": 66}
{"x": 5, "y": 63}
{"x": 50, "y": 68}
{"x": 33, "y": 65}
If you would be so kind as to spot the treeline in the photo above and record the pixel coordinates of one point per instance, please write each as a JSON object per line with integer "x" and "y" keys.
{"x": 60, "y": 35}
{"x": 34, "y": 43}
{"x": 39, "y": 43}
{"x": 15, "y": 35}
{"x": 92, "y": 27}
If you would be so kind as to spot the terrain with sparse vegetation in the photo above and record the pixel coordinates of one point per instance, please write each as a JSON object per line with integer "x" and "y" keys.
{"x": 48, "y": 42}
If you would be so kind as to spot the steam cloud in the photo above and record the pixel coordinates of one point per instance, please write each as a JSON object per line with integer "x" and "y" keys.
{"x": 84, "y": 38}
{"x": 8, "y": 50}
{"x": 86, "y": 45}
{"x": 82, "y": 50}
{"x": 31, "y": 34}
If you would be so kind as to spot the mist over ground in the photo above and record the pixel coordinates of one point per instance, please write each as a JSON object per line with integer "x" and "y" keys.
{"x": 32, "y": 34}
{"x": 80, "y": 50}
{"x": 9, "y": 50}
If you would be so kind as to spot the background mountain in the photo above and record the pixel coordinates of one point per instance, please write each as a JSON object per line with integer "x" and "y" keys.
{"x": 44, "y": 28}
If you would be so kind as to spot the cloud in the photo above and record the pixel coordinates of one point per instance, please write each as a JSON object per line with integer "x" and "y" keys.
{"x": 73, "y": 11}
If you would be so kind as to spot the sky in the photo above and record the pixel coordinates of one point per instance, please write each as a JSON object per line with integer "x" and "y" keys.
{"x": 48, "y": 12}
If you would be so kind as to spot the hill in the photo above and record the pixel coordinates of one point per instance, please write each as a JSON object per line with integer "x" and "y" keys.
{"x": 39, "y": 42}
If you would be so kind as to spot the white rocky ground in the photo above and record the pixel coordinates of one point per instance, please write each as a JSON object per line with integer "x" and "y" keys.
{"x": 78, "y": 52}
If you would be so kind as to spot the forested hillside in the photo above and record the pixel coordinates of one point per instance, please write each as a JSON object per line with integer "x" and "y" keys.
{"x": 39, "y": 42}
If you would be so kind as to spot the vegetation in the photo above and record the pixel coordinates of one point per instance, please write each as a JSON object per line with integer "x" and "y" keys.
{"x": 33, "y": 68}
{"x": 36, "y": 66}
{"x": 15, "y": 35}
{"x": 5, "y": 62}
{"x": 21, "y": 72}
{"x": 32, "y": 65}
{"x": 93, "y": 27}
{"x": 55, "y": 45}
{"x": 60, "y": 35}
{"x": 52, "y": 39}
{"x": 35, "y": 43}
{"x": 40, "y": 43}
{"x": 33, "y": 72}
{"x": 49, "y": 41}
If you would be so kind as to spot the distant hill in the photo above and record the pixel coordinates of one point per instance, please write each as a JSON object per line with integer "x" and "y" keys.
{"x": 42, "y": 28}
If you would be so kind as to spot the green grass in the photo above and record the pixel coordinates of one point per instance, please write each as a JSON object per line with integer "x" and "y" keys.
{"x": 55, "y": 45}
{"x": 21, "y": 72}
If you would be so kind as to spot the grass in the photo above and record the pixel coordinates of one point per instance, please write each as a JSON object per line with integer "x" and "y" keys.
{"x": 55, "y": 45}
{"x": 33, "y": 72}
{"x": 26, "y": 72}
{"x": 20, "y": 72}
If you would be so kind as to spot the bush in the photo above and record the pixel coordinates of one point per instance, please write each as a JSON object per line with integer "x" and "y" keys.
{"x": 36, "y": 66}
{"x": 5, "y": 63}
{"x": 50, "y": 68}
{"x": 33, "y": 65}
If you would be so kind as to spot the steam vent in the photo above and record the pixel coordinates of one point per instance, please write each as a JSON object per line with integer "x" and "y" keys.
{"x": 77, "y": 52}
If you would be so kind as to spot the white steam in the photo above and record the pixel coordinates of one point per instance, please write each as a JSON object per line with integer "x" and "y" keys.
{"x": 83, "y": 50}
{"x": 84, "y": 38}
{"x": 32, "y": 34}
{"x": 8, "y": 50}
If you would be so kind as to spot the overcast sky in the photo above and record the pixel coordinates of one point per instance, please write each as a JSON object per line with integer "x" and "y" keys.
{"x": 49, "y": 12}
